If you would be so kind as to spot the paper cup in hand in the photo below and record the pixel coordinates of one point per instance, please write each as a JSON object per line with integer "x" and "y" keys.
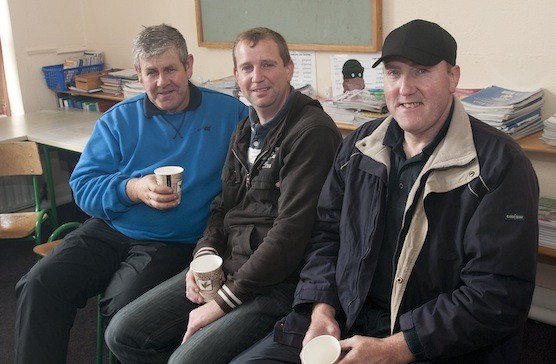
{"x": 324, "y": 349}
{"x": 207, "y": 270}
{"x": 170, "y": 176}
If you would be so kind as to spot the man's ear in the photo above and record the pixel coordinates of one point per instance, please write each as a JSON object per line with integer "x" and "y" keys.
{"x": 139, "y": 75}
{"x": 290, "y": 67}
{"x": 455, "y": 73}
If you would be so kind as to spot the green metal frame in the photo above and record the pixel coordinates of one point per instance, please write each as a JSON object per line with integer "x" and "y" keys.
{"x": 50, "y": 184}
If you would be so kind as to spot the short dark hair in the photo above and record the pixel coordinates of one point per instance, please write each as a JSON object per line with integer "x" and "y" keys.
{"x": 156, "y": 40}
{"x": 254, "y": 35}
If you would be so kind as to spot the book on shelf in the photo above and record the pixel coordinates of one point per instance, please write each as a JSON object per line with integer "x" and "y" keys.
{"x": 132, "y": 88}
{"x": 549, "y": 131}
{"x": 547, "y": 222}
{"x": 499, "y": 98}
{"x": 107, "y": 79}
{"x": 517, "y": 113}
{"x": 227, "y": 85}
{"x": 367, "y": 100}
{"x": 464, "y": 92}
{"x": 66, "y": 101}
{"x": 127, "y": 74}
{"x": 87, "y": 59}
{"x": 350, "y": 116}
{"x": 92, "y": 91}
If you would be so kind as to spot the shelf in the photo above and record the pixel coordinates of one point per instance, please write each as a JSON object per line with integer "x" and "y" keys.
{"x": 532, "y": 143}
{"x": 547, "y": 252}
{"x": 96, "y": 95}
{"x": 345, "y": 126}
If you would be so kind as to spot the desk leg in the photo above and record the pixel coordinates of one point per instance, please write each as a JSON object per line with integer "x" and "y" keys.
{"x": 50, "y": 182}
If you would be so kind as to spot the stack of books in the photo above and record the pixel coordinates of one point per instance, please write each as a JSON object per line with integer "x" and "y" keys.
{"x": 350, "y": 116}
{"x": 367, "y": 100}
{"x": 356, "y": 107}
{"x": 547, "y": 222}
{"x": 66, "y": 101}
{"x": 549, "y": 131}
{"x": 227, "y": 85}
{"x": 132, "y": 88}
{"x": 517, "y": 113}
{"x": 113, "y": 82}
{"x": 87, "y": 59}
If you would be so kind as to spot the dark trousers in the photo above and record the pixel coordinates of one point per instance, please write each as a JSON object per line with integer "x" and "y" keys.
{"x": 372, "y": 321}
{"x": 91, "y": 260}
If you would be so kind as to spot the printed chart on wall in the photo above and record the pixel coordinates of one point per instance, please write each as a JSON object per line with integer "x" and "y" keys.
{"x": 304, "y": 71}
{"x": 354, "y": 71}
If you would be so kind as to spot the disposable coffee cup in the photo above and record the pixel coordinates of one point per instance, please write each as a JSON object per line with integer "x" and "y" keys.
{"x": 324, "y": 349}
{"x": 170, "y": 176}
{"x": 207, "y": 270}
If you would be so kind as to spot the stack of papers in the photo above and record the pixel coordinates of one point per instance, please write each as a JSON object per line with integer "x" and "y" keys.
{"x": 225, "y": 85}
{"x": 308, "y": 90}
{"x": 113, "y": 82}
{"x": 132, "y": 88}
{"x": 517, "y": 113}
{"x": 549, "y": 131}
{"x": 356, "y": 107}
{"x": 547, "y": 222}
{"x": 127, "y": 74}
{"x": 367, "y": 100}
{"x": 355, "y": 117}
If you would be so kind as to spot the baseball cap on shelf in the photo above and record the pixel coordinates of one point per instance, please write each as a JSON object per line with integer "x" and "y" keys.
{"x": 420, "y": 41}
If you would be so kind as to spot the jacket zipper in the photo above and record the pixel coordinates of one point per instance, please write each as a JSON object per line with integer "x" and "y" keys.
{"x": 248, "y": 176}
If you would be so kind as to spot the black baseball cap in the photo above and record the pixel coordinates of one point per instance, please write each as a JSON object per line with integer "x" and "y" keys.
{"x": 420, "y": 41}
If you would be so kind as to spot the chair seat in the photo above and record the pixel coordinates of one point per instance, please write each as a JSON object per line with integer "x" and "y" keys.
{"x": 44, "y": 249}
{"x": 18, "y": 224}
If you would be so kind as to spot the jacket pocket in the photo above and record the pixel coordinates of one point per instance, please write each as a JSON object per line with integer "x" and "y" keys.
{"x": 265, "y": 191}
{"x": 240, "y": 236}
{"x": 291, "y": 329}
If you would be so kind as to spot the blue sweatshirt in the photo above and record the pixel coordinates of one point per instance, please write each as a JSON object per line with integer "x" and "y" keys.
{"x": 132, "y": 139}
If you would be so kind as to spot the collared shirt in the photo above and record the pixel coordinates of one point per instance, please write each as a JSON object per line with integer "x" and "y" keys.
{"x": 195, "y": 97}
{"x": 259, "y": 131}
{"x": 402, "y": 176}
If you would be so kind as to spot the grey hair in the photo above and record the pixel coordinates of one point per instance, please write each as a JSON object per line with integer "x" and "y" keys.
{"x": 156, "y": 40}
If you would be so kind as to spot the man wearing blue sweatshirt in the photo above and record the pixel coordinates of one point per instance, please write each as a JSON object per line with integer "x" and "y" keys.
{"x": 138, "y": 234}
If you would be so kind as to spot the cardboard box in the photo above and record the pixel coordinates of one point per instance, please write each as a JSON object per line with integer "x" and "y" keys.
{"x": 89, "y": 81}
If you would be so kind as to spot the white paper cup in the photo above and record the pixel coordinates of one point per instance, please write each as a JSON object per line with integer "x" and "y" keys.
{"x": 170, "y": 176}
{"x": 324, "y": 349}
{"x": 207, "y": 270}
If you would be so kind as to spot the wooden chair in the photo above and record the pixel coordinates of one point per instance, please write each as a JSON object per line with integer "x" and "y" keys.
{"x": 43, "y": 250}
{"x": 23, "y": 159}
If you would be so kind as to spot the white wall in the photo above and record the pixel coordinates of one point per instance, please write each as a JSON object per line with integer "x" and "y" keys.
{"x": 506, "y": 43}
{"x": 511, "y": 44}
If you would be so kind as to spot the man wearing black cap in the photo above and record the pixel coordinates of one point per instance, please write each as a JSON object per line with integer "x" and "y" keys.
{"x": 425, "y": 243}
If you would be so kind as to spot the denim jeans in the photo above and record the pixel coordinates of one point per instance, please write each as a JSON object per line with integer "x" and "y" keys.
{"x": 150, "y": 329}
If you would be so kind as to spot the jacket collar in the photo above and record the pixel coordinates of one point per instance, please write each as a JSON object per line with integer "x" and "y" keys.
{"x": 457, "y": 148}
{"x": 195, "y": 97}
